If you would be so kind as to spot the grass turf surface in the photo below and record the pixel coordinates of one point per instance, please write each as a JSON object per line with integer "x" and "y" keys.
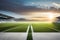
{"x": 45, "y": 27}
{"x": 22, "y": 27}
{"x": 13, "y": 27}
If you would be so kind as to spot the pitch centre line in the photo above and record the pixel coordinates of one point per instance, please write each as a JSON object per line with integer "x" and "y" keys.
{"x": 29, "y": 27}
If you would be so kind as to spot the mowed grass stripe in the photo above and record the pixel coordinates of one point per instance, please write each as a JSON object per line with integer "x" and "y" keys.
{"x": 52, "y": 26}
{"x": 43, "y": 27}
{"x": 19, "y": 28}
{"x": 55, "y": 29}
{"x": 5, "y": 26}
{"x": 57, "y": 26}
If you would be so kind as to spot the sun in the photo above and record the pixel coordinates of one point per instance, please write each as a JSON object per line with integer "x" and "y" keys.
{"x": 50, "y": 15}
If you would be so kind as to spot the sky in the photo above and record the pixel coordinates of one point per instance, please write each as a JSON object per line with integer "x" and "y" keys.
{"x": 25, "y": 8}
{"x": 12, "y": 14}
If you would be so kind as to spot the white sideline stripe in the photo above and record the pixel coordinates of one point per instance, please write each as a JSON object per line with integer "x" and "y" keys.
{"x": 11, "y": 29}
{"x": 32, "y": 29}
{"x": 28, "y": 28}
{"x": 54, "y": 29}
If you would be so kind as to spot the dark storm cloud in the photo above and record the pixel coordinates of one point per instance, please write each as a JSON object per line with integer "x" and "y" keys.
{"x": 15, "y": 6}
{"x": 18, "y": 5}
{"x": 10, "y": 4}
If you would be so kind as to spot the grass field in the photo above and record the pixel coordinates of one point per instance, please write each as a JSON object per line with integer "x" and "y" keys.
{"x": 13, "y": 27}
{"x": 22, "y": 27}
{"x": 45, "y": 27}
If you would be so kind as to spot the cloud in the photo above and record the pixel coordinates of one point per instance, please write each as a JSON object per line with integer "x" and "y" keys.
{"x": 56, "y": 4}
{"x": 24, "y": 6}
{"x": 9, "y": 13}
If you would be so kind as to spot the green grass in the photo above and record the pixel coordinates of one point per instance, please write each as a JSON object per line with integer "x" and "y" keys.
{"x": 57, "y": 25}
{"x": 4, "y": 26}
{"x": 13, "y": 27}
{"x": 19, "y": 28}
{"x": 44, "y": 27}
{"x": 22, "y": 27}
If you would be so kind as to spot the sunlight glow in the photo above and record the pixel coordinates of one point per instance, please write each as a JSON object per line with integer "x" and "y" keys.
{"x": 50, "y": 16}
{"x": 43, "y": 16}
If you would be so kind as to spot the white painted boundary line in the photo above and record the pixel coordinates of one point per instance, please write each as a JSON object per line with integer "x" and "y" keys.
{"x": 32, "y": 29}
{"x": 28, "y": 28}
{"x": 54, "y": 29}
{"x": 11, "y": 29}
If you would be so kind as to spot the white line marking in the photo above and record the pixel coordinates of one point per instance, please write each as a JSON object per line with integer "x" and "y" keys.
{"x": 54, "y": 29}
{"x": 10, "y": 29}
{"x": 32, "y": 29}
{"x": 28, "y": 28}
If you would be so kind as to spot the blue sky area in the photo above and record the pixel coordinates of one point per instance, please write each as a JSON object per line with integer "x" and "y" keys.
{"x": 13, "y": 7}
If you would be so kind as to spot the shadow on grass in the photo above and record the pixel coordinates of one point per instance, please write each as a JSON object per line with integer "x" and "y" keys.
{"x": 6, "y": 28}
{"x": 57, "y": 25}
